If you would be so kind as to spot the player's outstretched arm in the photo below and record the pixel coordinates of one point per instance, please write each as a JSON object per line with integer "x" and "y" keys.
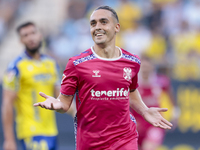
{"x": 60, "y": 104}
{"x": 151, "y": 115}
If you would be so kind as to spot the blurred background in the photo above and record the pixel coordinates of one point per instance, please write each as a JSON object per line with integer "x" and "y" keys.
{"x": 168, "y": 31}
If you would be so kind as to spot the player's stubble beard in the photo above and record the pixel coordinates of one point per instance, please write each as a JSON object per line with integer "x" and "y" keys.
{"x": 103, "y": 42}
{"x": 34, "y": 50}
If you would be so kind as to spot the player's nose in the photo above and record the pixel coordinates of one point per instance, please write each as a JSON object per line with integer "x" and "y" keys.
{"x": 98, "y": 26}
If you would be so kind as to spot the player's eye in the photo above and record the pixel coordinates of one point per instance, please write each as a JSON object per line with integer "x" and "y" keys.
{"x": 33, "y": 32}
{"x": 103, "y": 22}
{"x": 25, "y": 35}
{"x": 92, "y": 23}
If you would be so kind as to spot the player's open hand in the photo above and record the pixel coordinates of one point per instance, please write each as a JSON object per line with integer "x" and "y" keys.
{"x": 153, "y": 116}
{"x": 50, "y": 103}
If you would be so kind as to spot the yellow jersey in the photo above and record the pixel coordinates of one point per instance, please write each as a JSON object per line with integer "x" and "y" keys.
{"x": 28, "y": 77}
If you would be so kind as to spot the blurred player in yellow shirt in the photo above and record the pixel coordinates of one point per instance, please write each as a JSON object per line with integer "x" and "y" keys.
{"x": 26, "y": 76}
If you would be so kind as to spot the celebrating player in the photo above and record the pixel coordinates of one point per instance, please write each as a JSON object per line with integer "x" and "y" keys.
{"x": 28, "y": 74}
{"x": 104, "y": 78}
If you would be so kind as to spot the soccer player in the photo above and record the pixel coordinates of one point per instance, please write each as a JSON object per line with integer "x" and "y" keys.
{"x": 104, "y": 78}
{"x": 28, "y": 74}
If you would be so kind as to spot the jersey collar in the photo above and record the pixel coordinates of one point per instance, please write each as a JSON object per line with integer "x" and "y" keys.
{"x": 107, "y": 59}
{"x": 29, "y": 57}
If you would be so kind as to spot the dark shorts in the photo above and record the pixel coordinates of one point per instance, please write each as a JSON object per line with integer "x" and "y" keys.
{"x": 39, "y": 143}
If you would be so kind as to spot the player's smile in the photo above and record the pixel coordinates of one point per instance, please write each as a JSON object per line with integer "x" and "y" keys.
{"x": 99, "y": 34}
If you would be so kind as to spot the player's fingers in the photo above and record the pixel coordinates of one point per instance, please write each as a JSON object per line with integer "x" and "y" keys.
{"x": 162, "y": 109}
{"x": 39, "y": 104}
{"x": 155, "y": 124}
{"x": 162, "y": 126}
{"x": 52, "y": 108}
{"x": 36, "y": 104}
{"x": 167, "y": 122}
{"x": 43, "y": 95}
{"x": 165, "y": 126}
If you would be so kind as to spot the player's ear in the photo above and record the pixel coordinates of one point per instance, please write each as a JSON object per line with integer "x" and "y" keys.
{"x": 117, "y": 27}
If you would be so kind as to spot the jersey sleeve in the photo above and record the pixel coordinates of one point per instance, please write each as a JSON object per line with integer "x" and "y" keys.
{"x": 69, "y": 79}
{"x": 11, "y": 78}
{"x": 134, "y": 85}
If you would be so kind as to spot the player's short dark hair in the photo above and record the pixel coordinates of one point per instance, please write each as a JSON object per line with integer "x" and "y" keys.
{"x": 25, "y": 25}
{"x": 109, "y": 9}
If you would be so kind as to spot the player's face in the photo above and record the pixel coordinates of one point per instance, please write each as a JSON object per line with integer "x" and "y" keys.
{"x": 30, "y": 37}
{"x": 103, "y": 26}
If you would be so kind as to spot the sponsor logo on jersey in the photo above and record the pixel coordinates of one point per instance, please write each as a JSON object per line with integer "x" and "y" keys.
{"x": 127, "y": 73}
{"x": 96, "y": 73}
{"x": 42, "y": 77}
{"x": 110, "y": 93}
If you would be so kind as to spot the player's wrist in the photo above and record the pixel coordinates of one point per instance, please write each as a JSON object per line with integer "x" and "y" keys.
{"x": 9, "y": 138}
{"x": 61, "y": 108}
{"x": 144, "y": 112}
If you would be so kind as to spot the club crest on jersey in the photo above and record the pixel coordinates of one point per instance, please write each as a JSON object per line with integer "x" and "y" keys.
{"x": 63, "y": 77}
{"x": 127, "y": 73}
{"x": 96, "y": 73}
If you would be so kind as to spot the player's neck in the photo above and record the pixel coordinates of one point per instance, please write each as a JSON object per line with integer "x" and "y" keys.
{"x": 108, "y": 52}
{"x": 35, "y": 56}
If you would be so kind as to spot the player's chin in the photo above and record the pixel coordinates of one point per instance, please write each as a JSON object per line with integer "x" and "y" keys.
{"x": 98, "y": 42}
